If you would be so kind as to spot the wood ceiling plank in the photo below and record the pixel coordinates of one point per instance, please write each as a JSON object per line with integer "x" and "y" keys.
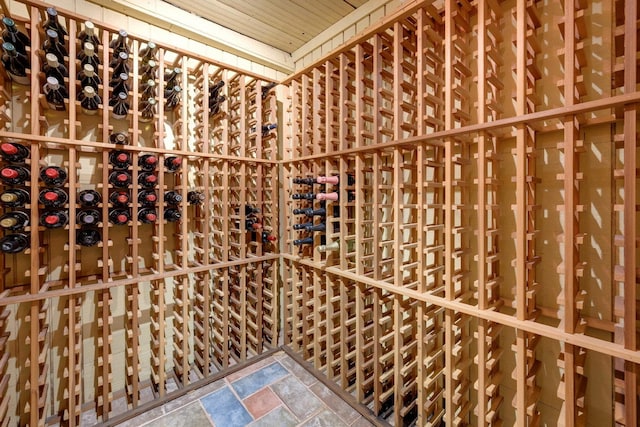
{"x": 333, "y": 10}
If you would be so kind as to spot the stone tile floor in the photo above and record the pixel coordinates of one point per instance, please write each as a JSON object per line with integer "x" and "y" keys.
{"x": 275, "y": 391}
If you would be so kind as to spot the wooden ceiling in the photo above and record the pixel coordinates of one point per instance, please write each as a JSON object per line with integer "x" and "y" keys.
{"x": 284, "y": 24}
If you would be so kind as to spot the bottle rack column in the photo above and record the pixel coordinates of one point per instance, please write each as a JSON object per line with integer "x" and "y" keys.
{"x": 5, "y": 375}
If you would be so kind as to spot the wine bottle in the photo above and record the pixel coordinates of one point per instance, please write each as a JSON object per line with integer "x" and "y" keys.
{"x": 148, "y": 162}
{"x": 120, "y": 106}
{"x": 268, "y": 128}
{"x": 148, "y": 52}
{"x": 89, "y": 34}
{"x": 119, "y": 138}
{"x": 333, "y": 179}
{"x": 53, "y": 44}
{"x": 14, "y": 197}
{"x": 14, "y": 175}
{"x": 267, "y": 237}
{"x": 12, "y": 35}
{"x": 302, "y": 226}
{"x": 172, "y": 97}
{"x": 89, "y": 100}
{"x": 89, "y": 198}
{"x": 303, "y": 196}
{"x": 172, "y": 198}
{"x": 248, "y": 210}
{"x": 328, "y": 196}
{"x": 14, "y": 243}
{"x": 310, "y": 212}
{"x": 120, "y": 179}
{"x": 88, "y": 56}
{"x": 147, "y": 198}
{"x": 305, "y": 241}
{"x": 148, "y": 88}
{"x": 331, "y": 247}
{"x": 215, "y": 107}
{"x": 16, "y": 64}
{"x": 147, "y": 215}
{"x": 172, "y": 214}
{"x": 54, "y": 68}
{"x": 266, "y": 88}
{"x": 55, "y": 94}
{"x": 120, "y": 64}
{"x": 171, "y": 78}
{"x": 88, "y": 217}
{"x": 119, "y": 216}
{"x": 53, "y": 22}
{"x": 88, "y": 77}
{"x": 148, "y": 70}
{"x": 195, "y": 197}
{"x": 214, "y": 91}
{"x": 53, "y": 197}
{"x": 88, "y": 237}
{"x": 14, "y": 152}
{"x": 119, "y": 198}
{"x": 15, "y": 220}
{"x": 53, "y": 176}
{"x": 252, "y": 224}
{"x": 120, "y": 159}
{"x": 119, "y": 83}
{"x": 172, "y": 163}
{"x": 120, "y": 43}
{"x": 147, "y": 110}
{"x": 54, "y": 219}
{"x": 147, "y": 179}
{"x": 316, "y": 227}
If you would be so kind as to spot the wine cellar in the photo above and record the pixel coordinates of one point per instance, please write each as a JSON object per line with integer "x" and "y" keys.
{"x": 436, "y": 215}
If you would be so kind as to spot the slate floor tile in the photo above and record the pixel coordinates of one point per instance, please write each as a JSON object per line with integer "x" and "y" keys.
{"x": 253, "y": 382}
{"x": 325, "y": 418}
{"x": 188, "y": 416}
{"x": 299, "y": 371}
{"x": 280, "y": 417}
{"x": 225, "y": 409}
{"x": 261, "y": 402}
{"x": 333, "y": 401}
{"x": 297, "y": 397}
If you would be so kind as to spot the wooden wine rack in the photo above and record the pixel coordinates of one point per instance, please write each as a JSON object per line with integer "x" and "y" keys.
{"x": 88, "y": 334}
{"x": 475, "y": 254}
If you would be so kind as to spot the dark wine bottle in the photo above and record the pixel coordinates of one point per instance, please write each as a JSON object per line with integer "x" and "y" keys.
{"x": 14, "y": 243}
{"x": 88, "y": 56}
{"x": 120, "y": 106}
{"x": 55, "y": 94}
{"x": 249, "y": 210}
{"x": 172, "y": 198}
{"x": 16, "y": 64}
{"x": 14, "y": 197}
{"x": 88, "y": 237}
{"x": 172, "y": 97}
{"x": 147, "y": 110}
{"x": 53, "y": 176}
{"x": 147, "y": 215}
{"x": 119, "y": 216}
{"x": 147, "y": 198}
{"x": 89, "y": 34}
{"x": 53, "y": 22}
{"x": 305, "y": 241}
{"x": 89, "y": 100}
{"x": 316, "y": 227}
{"x": 267, "y": 237}
{"x": 310, "y": 212}
{"x": 195, "y": 197}
{"x": 88, "y": 217}
{"x": 303, "y": 196}
{"x": 215, "y": 107}
{"x": 302, "y": 226}
{"x": 268, "y": 128}
{"x": 53, "y": 197}
{"x": 15, "y": 220}
{"x": 148, "y": 70}
{"x": 14, "y": 175}
{"x": 120, "y": 64}
{"x": 148, "y": 162}
{"x": 171, "y": 77}
{"x": 55, "y": 45}
{"x": 333, "y": 179}
{"x": 148, "y": 52}
{"x": 119, "y": 198}
{"x": 88, "y": 77}
{"x": 12, "y": 35}
{"x": 120, "y": 159}
{"x": 172, "y": 214}
{"x": 120, "y": 43}
{"x": 214, "y": 90}
{"x": 119, "y": 138}
{"x": 147, "y": 179}
{"x": 54, "y": 219}
{"x": 172, "y": 163}
{"x": 54, "y": 68}
{"x": 89, "y": 198}
{"x": 148, "y": 88}
{"x": 120, "y": 179}
{"x": 266, "y": 88}
{"x": 14, "y": 152}
{"x": 252, "y": 224}
{"x": 119, "y": 83}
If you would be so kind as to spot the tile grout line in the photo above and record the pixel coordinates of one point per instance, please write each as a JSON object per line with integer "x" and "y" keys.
{"x": 213, "y": 424}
